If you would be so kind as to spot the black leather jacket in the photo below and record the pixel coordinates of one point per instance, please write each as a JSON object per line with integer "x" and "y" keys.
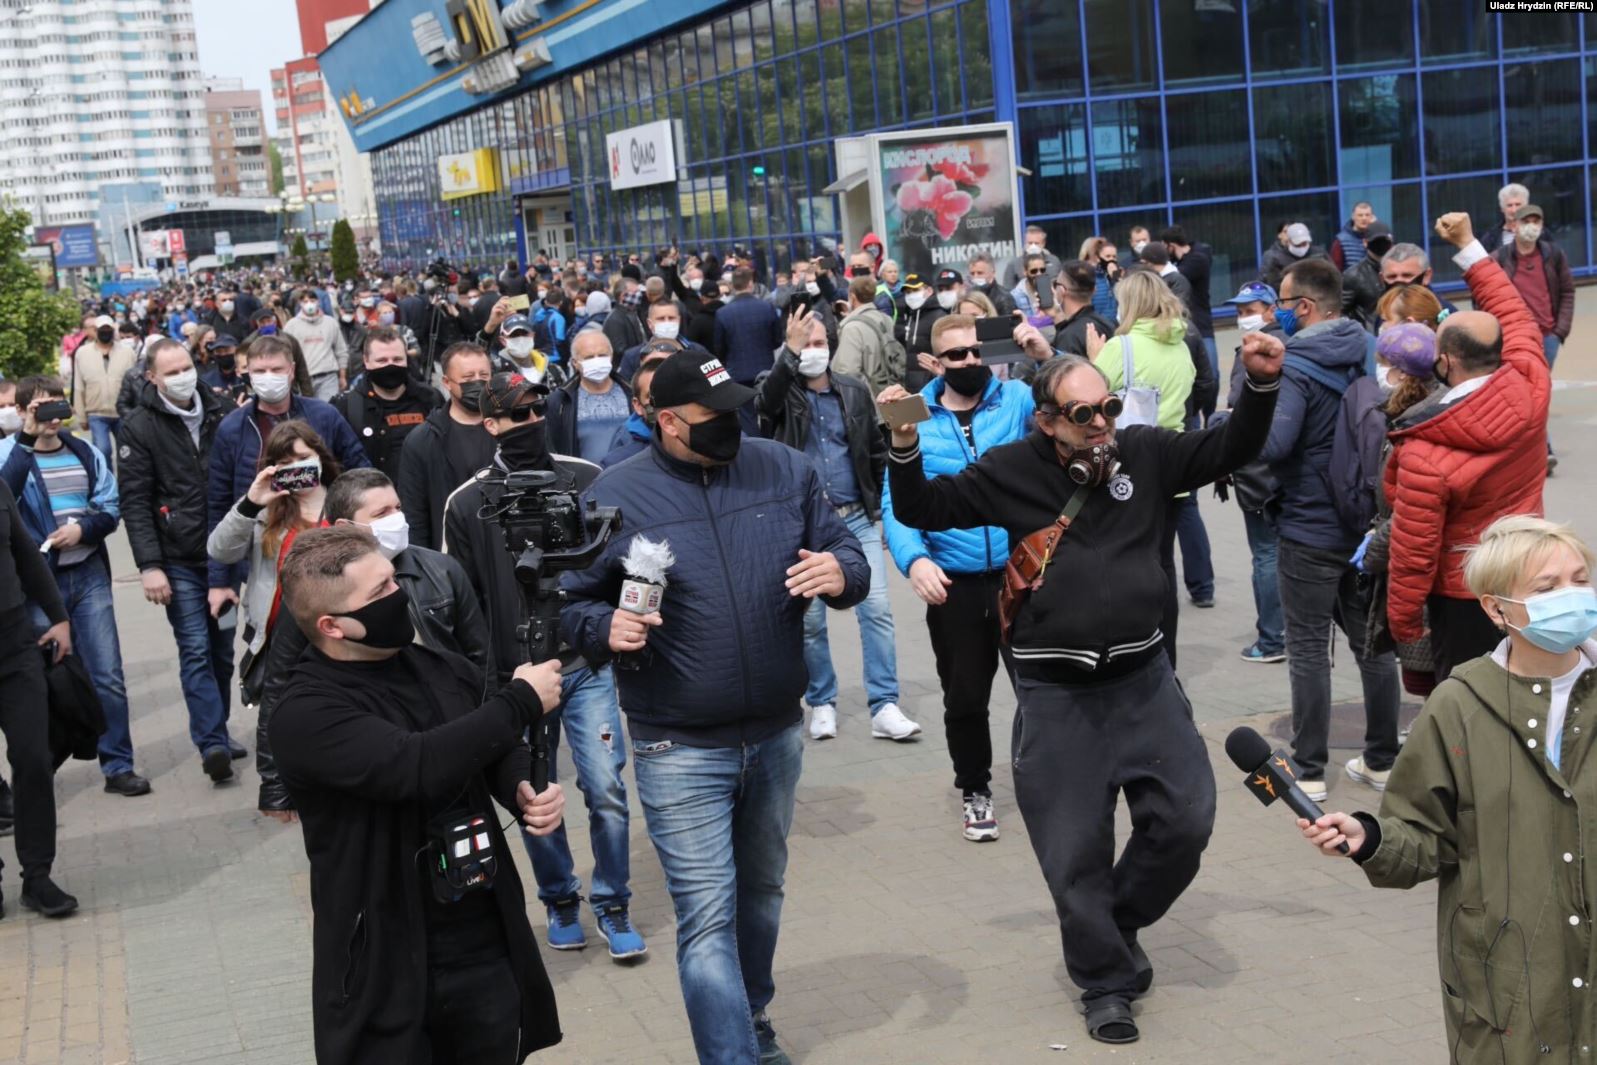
{"x": 784, "y": 407}
{"x": 1361, "y": 291}
{"x": 447, "y": 618}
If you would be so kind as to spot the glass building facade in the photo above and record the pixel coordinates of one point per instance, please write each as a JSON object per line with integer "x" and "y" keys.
{"x": 1228, "y": 117}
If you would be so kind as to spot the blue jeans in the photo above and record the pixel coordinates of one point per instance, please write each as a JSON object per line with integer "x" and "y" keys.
{"x": 1550, "y": 346}
{"x": 876, "y": 631}
{"x": 100, "y": 429}
{"x": 1262, "y": 540}
{"x": 719, "y": 818}
{"x": 588, "y": 711}
{"x": 205, "y": 658}
{"x": 86, "y": 590}
{"x": 1197, "y": 564}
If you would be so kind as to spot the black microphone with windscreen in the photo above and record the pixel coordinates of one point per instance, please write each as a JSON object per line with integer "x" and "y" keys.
{"x": 1271, "y": 775}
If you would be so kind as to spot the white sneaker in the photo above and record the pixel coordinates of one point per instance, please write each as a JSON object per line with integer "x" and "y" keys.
{"x": 1375, "y": 778}
{"x": 889, "y": 723}
{"x": 823, "y": 722}
{"x": 1314, "y": 789}
{"x": 981, "y": 824}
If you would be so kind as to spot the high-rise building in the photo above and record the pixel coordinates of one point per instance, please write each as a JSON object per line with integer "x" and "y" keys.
{"x": 311, "y": 163}
{"x": 99, "y": 92}
{"x": 314, "y": 15}
{"x": 238, "y": 140}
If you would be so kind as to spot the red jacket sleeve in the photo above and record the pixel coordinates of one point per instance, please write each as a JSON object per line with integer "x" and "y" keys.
{"x": 1493, "y": 292}
{"x": 1418, "y": 492}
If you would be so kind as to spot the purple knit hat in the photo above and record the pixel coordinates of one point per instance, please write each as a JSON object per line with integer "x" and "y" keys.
{"x": 1409, "y": 347}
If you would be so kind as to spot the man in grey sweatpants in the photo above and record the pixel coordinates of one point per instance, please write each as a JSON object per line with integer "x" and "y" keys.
{"x": 1100, "y": 709}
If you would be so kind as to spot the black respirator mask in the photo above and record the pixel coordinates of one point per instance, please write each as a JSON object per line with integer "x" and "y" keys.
{"x": 1092, "y": 467}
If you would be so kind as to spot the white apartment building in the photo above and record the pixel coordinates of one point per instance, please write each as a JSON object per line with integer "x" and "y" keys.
{"x": 99, "y": 92}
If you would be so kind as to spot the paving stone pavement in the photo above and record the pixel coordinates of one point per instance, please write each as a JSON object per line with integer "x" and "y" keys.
{"x": 901, "y": 942}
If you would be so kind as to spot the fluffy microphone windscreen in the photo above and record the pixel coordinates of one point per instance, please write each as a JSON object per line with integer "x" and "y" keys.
{"x": 1246, "y": 749}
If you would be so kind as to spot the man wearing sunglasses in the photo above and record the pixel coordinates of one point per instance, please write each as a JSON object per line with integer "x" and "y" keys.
{"x": 1099, "y": 706}
{"x": 513, "y": 410}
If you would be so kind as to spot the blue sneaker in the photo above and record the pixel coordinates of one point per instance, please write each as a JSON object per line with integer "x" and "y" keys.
{"x": 1252, "y": 653}
{"x": 616, "y": 928}
{"x": 565, "y": 925}
{"x": 770, "y": 1052}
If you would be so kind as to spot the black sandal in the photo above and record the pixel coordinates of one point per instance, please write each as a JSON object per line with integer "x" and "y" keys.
{"x": 1110, "y": 1022}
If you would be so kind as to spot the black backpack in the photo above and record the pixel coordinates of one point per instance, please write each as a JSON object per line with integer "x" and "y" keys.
{"x": 1358, "y": 454}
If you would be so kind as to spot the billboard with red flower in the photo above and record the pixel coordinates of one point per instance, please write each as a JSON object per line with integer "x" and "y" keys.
{"x": 946, "y": 196}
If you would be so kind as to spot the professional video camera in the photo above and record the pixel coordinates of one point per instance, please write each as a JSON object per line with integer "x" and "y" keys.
{"x": 547, "y": 531}
{"x": 440, "y": 270}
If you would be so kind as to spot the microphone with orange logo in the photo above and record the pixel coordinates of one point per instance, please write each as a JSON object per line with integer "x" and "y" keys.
{"x": 1271, "y": 775}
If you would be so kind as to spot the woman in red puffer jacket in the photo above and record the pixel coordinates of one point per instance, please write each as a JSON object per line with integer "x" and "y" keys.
{"x": 1483, "y": 455}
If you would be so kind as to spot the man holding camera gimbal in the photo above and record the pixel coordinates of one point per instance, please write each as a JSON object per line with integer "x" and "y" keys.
{"x": 420, "y": 939}
{"x": 513, "y": 410}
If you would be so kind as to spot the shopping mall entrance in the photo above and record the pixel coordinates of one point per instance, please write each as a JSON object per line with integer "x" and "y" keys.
{"x": 549, "y": 227}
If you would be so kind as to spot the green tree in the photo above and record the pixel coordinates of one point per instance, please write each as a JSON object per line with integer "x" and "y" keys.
{"x": 275, "y": 165}
{"x": 32, "y": 321}
{"x": 300, "y": 254}
{"x": 346, "y": 260}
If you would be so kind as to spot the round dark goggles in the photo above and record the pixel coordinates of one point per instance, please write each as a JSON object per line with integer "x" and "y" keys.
{"x": 1078, "y": 413}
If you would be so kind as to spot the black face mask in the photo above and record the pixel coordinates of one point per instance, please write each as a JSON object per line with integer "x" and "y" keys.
{"x": 225, "y": 363}
{"x": 471, "y": 395}
{"x": 105, "y": 334}
{"x": 523, "y": 447}
{"x": 859, "y": 271}
{"x": 1379, "y": 247}
{"x": 390, "y": 376}
{"x": 1440, "y": 372}
{"x": 717, "y": 439}
{"x": 387, "y": 621}
{"x": 968, "y": 381}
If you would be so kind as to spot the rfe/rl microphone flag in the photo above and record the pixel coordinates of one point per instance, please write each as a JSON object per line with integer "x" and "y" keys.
{"x": 645, "y": 565}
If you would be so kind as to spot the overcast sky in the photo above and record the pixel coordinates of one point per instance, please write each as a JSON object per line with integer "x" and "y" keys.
{"x": 246, "y": 40}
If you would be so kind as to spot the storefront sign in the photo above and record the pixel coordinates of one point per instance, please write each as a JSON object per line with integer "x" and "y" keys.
{"x": 945, "y": 197}
{"x": 175, "y": 241}
{"x": 153, "y": 242}
{"x": 468, "y": 173}
{"x": 642, "y": 155}
{"x": 73, "y": 245}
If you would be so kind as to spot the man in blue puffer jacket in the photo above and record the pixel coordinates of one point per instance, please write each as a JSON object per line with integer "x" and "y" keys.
{"x": 711, "y": 682}
{"x": 957, "y": 573}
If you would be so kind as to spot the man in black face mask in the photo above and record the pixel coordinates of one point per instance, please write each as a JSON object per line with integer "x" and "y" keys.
{"x": 448, "y": 447}
{"x": 394, "y": 760}
{"x": 387, "y": 403}
{"x": 1087, "y": 651}
{"x": 713, "y": 703}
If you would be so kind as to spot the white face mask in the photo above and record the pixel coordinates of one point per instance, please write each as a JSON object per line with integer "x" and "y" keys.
{"x": 1250, "y": 323}
{"x": 695, "y": 283}
{"x": 180, "y": 387}
{"x": 271, "y": 387}
{"x": 519, "y": 347}
{"x": 1138, "y": 246}
{"x": 813, "y": 361}
{"x": 346, "y": 318}
{"x": 310, "y": 310}
{"x": 596, "y": 367}
{"x": 1298, "y": 253}
{"x": 1530, "y": 231}
{"x": 392, "y": 532}
{"x": 1033, "y": 248}
{"x": 915, "y": 300}
{"x": 226, "y": 306}
{"x": 368, "y": 301}
{"x": 10, "y": 419}
{"x": 947, "y": 299}
{"x": 667, "y": 330}
{"x": 1383, "y": 377}
{"x": 812, "y": 287}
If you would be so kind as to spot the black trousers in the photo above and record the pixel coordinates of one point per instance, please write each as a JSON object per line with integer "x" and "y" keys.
{"x": 25, "y": 721}
{"x": 1076, "y": 748}
{"x": 474, "y": 1014}
{"x": 964, "y": 633}
{"x": 1460, "y": 631}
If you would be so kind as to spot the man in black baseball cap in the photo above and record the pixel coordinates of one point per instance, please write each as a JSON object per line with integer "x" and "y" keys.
{"x": 714, "y": 704}
{"x": 950, "y": 288}
{"x": 513, "y": 408}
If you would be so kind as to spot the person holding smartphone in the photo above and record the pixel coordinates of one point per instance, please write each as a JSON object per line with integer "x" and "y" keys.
{"x": 69, "y": 503}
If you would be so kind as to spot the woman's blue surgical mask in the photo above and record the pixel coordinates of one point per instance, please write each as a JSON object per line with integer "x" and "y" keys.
{"x": 1560, "y": 620}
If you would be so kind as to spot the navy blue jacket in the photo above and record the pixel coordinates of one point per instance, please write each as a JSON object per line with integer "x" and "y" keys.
{"x": 1321, "y": 362}
{"x": 20, "y": 469}
{"x": 726, "y": 665}
{"x": 236, "y": 454}
{"x": 748, "y": 332}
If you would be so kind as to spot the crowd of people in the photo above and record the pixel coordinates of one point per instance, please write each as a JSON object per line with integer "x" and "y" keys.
{"x": 308, "y": 474}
